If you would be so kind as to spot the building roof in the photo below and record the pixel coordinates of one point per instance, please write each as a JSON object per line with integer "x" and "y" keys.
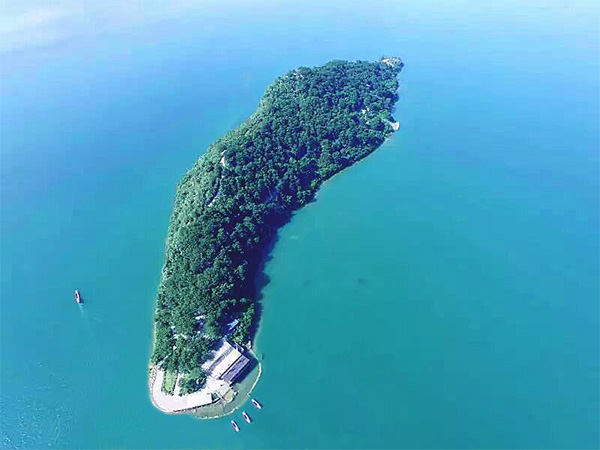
{"x": 217, "y": 357}
{"x": 231, "y": 325}
{"x": 226, "y": 363}
{"x": 235, "y": 369}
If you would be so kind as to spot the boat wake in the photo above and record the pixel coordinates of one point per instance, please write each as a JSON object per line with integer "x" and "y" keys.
{"x": 87, "y": 323}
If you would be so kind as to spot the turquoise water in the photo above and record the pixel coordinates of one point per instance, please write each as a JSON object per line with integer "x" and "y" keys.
{"x": 442, "y": 293}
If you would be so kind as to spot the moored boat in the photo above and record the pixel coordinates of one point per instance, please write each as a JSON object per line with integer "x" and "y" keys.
{"x": 255, "y": 403}
{"x": 235, "y": 425}
{"x": 78, "y": 297}
{"x": 246, "y": 417}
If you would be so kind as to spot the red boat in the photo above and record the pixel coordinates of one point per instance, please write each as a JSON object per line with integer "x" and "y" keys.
{"x": 78, "y": 297}
{"x": 246, "y": 417}
{"x": 235, "y": 425}
{"x": 255, "y": 403}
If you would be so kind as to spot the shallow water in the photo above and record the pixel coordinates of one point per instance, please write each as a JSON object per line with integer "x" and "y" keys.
{"x": 442, "y": 293}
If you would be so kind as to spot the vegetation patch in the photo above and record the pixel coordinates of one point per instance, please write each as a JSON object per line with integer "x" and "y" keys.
{"x": 310, "y": 124}
{"x": 169, "y": 382}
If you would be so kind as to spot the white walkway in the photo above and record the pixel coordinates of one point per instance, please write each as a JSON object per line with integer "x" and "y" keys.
{"x": 175, "y": 403}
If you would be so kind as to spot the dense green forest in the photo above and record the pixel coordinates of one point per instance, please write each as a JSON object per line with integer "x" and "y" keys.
{"x": 310, "y": 124}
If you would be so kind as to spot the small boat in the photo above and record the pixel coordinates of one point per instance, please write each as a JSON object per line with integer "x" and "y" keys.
{"x": 78, "y": 297}
{"x": 246, "y": 417}
{"x": 255, "y": 403}
{"x": 235, "y": 425}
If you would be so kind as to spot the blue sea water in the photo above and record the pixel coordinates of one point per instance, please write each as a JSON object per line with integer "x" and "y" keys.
{"x": 442, "y": 293}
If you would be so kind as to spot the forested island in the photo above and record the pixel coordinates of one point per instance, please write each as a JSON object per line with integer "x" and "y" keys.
{"x": 310, "y": 124}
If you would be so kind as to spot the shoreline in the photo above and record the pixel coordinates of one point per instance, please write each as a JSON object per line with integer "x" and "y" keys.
{"x": 211, "y": 410}
{"x": 220, "y": 396}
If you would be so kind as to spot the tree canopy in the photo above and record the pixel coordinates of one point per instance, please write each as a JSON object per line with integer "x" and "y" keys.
{"x": 310, "y": 124}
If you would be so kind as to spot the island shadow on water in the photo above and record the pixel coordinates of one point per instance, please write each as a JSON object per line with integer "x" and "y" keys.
{"x": 257, "y": 263}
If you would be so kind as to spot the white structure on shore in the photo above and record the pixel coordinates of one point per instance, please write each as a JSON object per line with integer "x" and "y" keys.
{"x": 222, "y": 369}
{"x": 226, "y": 364}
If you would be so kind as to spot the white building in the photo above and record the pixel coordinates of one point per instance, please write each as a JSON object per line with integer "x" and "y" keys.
{"x": 226, "y": 363}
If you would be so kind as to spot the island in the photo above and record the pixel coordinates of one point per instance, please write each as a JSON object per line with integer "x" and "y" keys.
{"x": 310, "y": 124}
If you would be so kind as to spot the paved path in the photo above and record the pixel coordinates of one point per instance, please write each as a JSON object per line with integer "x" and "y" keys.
{"x": 176, "y": 403}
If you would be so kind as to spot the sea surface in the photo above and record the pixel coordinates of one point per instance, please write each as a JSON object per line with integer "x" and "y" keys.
{"x": 442, "y": 293}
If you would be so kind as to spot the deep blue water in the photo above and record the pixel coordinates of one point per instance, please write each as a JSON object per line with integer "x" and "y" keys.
{"x": 442, "y": 293}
